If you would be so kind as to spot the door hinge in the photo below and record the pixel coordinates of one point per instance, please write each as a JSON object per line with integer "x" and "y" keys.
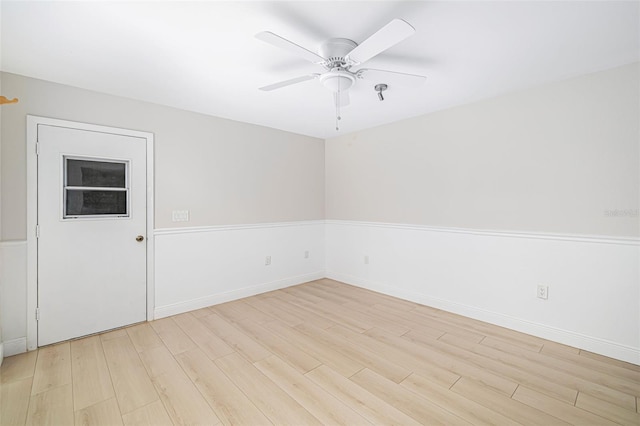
{"x": 37, "y": 314}
{"x": 37, "y": 231}
{"x": 37, "y": 148}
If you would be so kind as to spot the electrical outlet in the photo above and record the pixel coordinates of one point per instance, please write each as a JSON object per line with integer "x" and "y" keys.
{"x": 306, "y": 254}
{"x": 267, "y": 261}
{"x": 366, "y": 260}
{"x": 543, "y": 292}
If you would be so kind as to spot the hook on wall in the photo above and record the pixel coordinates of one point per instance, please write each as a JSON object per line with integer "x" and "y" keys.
{"x": 4, "y": 100}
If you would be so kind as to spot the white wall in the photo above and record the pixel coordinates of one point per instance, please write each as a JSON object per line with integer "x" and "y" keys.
{"x": 1, "y": 264}
{"x": 224, "y": 172}
{"x": 200, "y": 267}
{"x": 536, "y": 187}
{"x": 554, "y": 158}
{"x": 13, "y": 296}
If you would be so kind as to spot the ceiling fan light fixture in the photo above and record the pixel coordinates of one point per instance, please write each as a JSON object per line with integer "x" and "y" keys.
{"x": 337, "y": 80}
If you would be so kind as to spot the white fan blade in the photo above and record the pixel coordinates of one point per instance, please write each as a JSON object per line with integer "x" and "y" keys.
{"x": 389, "y": 35}
{"x": 392, "y": 78}
{"x": 344, "y": 98}
{"x": 289, "y": 82}
{"x": 283, "y": 43}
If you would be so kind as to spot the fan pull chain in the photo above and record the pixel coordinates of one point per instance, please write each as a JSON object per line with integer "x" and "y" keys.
{"x": 337, "y": 99}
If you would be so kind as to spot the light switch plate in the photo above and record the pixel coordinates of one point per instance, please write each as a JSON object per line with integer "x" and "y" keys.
{"x": 180, "y": 216}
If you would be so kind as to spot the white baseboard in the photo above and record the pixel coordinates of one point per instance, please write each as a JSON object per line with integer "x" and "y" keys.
{"x": 14, "y": 346}
{"x": 600, "y": 346}
{"x": 202, "y": 302}
{"x": 1, "y": 352}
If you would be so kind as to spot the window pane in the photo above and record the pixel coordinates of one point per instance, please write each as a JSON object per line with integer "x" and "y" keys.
{"x": 88, "y": 202}
{"x": 95, "y": 173}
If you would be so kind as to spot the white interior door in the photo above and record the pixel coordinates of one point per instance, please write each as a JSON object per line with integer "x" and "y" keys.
{"x": 92, "y": 226}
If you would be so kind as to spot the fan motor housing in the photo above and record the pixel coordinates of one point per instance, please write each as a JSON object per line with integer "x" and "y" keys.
{"x": 335, "y": 49}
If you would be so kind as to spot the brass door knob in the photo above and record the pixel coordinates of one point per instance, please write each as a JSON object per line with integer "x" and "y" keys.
{"x": 139, "y": 238}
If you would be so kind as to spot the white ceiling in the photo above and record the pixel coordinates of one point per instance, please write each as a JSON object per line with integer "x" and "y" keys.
{"x": 203, "y": 57}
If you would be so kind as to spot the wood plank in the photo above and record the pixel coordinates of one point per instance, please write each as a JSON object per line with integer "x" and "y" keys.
{"x": 369, "y": 296}
{"x": 132, "y": 385}
{"x": 153, "y": 414}
{"x": 420, "y": 409}
{"x": 315, "y": 288}
{"x": 307, "y": 316}
{"x": 203, "y": 312}
{"x": 105, "y": 413}
{"x": 51, "y": 407}
{"x": 394, "y": 318}
{"x": 358, "y": 399}
{"x": 465, "y": 408}
{"x": 303, "y": 296}
{"x": 173, "y": 337}
{"x": 210, "y": 343}
{"x": 606, "y": 359}
{"x": 409, "y": 360}
{"x": 53, "y": 368}
{"x": 143, "y": 337}
{"x": 288, "y": 351}
{"x": 550, "y": 347}
{"x": 18, "y": 367}
{"x": 607, "y": 410}
{"x": 339, "y": 314}
{"x": 553, "y": 381}
{"x": 512, "y": 368}
{"x": 312, "y": 397}
{"x": 514, "y": 337}
{"x": 239, "y": 310}
{"x": 461, "y": 364}
{"x": 366, "y": 319}
{"x": 266, "y": 306}
{"x": 236, "y": 339}
{"x": 230, "y": 404}
{"x": 14, "y": 401}
{"x": 497, "y": 401}
{"x": 561, "y": 410}
{"x": 90, "y": 374}
{"x": 119, "y": 332}
{"x": 182, "y": 400}
{"x": 274, "y": 403}
{"x": 329, "y": 356}
{"x": 158, "y": 361}
{"x": 603, "y": 386}
{"x": 371, "y": 360}
{"x": 366, "y": 297}
{"x": 593, "y": 364}
{"x": 419, "y": 319}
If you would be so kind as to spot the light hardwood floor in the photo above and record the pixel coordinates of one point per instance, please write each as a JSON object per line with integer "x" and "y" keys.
{"x": 318, "y": 353}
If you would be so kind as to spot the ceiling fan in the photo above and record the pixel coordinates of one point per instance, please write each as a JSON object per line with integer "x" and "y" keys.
{"x": 340, "y": 57}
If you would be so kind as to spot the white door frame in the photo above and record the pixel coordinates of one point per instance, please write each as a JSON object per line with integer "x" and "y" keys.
{"x": 32, "y": 213}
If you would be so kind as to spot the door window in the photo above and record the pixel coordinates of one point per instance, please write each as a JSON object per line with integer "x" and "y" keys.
{"x": 95, "y": 188}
